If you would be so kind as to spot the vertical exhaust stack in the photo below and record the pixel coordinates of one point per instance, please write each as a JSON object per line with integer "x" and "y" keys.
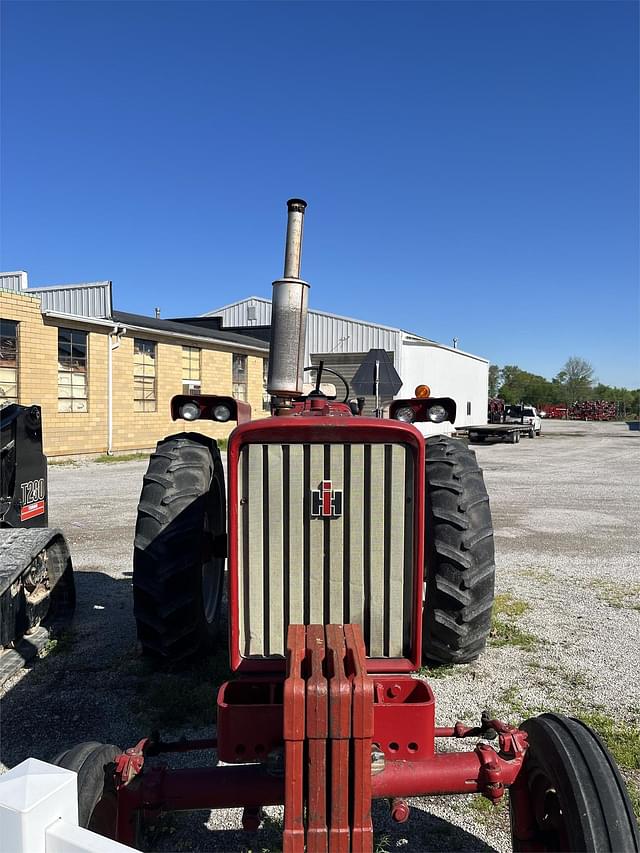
{"x": 289, "y": 315}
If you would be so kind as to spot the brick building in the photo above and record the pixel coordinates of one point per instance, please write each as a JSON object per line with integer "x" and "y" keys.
{"x": 105, "y": 378}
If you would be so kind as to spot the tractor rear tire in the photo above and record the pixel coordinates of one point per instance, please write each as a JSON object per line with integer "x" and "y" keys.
{"x": 459, "y": 554}
{"x": 180, "y": 548}
{"x": 97, "y": 798}
{"x": 578, "y": 799}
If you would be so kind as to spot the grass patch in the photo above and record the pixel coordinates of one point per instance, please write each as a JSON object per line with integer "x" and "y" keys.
{"x": 175, "y": 698}
{"x": 504, "y": 631}
{"x": 571, "y": 677}
{"x": 486, "y": 809}
{"x": 133, "y": 457}
{"x": 272, "y": 827}
{"x": 125, "y": 457}
{"x": 382, "y": 843}
{"x": 512, "y": 700}
{"x": 440, "y": 670}
{"x": 161, "y": 826}
{"x": 59, "y": 644}
{"x": 616, "y": 595}
{"x": 541, "y": 575}
{"x": 506, "y": 605}
{"x": 62, "y": 463}
{"x": 622, "y": 739}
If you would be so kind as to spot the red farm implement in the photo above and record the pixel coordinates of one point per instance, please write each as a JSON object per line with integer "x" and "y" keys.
{"x": 593, "y": 410}
{"x": 585, "y": 410}
{"x": 356, "y": 549}
{"x": 554, "y": 411}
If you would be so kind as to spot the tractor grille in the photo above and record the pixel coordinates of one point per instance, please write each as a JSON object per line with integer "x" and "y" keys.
{"x": 356, "y": 566}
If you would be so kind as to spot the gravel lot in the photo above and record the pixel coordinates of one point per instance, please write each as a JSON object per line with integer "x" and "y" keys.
{"x": 566, "y": 517}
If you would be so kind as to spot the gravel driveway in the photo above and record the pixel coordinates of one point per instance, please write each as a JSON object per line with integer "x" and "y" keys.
{"x": 566, "y": 518}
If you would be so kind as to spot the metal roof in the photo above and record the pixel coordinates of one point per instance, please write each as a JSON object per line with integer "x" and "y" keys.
{"x": 87, "y": 299}
{"x": 266, "y": 312}
{"x": 328, "y": 332}
{"x": 176, "y": 328}
{"x": 16, "y": 280}
{"x": 410, "y": 339}
{"x": 333, "y": 333}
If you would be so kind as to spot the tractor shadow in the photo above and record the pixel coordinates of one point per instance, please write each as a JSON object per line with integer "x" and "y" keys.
{"x": 92, "y": 684}
{"x": 421, "y": 833}
{"x": 76, "y": 691}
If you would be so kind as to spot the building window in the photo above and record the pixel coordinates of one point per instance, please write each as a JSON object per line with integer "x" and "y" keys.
{"x": 190, "y": 370}
{"x": 144, "y": 375}
{"x": 8, "y": 361}
{"x": 239, "y": 376}
{"x": 468, "y": 407}
{"x": 72, "y": 370}
{"x": 266, "y": 397}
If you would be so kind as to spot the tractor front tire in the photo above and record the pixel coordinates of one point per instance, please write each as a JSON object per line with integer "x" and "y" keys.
{"x": 180, "y": 548}
{"x": 577, "y": 799}
{"x": 459, "y": 554}
{"x": 97, "y": 797}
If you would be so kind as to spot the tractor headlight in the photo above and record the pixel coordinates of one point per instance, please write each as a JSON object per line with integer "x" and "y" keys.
{"x": 222, "y": 413}
{"x": 406, "y": 414}
{"x": 437, "y": 414}
{"x": 190, "y": 411}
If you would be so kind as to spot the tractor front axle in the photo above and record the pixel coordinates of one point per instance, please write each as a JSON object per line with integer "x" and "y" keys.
{"x": 323, "y": 743}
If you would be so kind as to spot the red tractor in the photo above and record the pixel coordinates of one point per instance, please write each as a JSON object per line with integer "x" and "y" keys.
{"x": 356, "y": 549}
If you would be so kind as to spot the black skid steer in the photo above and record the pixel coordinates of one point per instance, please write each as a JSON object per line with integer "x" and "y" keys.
{"x": 36, "y": 577}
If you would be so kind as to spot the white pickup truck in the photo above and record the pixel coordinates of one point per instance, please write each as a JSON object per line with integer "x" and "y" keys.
{"x": 524, "y": 415}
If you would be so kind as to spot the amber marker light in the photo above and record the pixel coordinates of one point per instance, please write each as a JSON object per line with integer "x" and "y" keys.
{"x": 423, "y": 391}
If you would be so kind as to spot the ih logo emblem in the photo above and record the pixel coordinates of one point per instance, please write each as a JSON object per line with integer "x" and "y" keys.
{"x": 326, "y": 502}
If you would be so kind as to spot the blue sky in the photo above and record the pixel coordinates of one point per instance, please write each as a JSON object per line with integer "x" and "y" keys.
{"x": 471, "y": 168}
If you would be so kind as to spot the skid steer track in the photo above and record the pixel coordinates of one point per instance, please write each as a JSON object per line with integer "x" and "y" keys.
{"x": 36, "y": 591}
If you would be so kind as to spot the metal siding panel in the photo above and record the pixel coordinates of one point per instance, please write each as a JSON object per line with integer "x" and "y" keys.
{"x": 263, "y": 313}
{"x": 324, "y": 333}
{"x": 254, "y": 501}
{"x": 242, "y": 510}
{"x": 356, "y": 537}
{"x": 336, "y": 540}
{"x": 275, "y": 554}
{"x": 237, "y": 314}
{"x": 316, "y": 542}
{"x": 11, "y": 282}
{"x": 408, "y": 585}
{"x": 397, "y": 553}
{"x": 376, "y": 552}
{"x": 81, "y": 300}
{"x": 296, "y": 534}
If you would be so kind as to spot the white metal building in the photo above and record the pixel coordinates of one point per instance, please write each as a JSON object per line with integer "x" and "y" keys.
{"x": 342, "y": 342}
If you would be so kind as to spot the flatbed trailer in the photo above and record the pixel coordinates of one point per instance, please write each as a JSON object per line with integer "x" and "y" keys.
{"x": 509, "y": 433}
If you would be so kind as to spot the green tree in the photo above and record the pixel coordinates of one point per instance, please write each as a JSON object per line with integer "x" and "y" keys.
{"x": 521, "y": 386}
{"x": 576, "y": 379}
{"x": 574, "y": 382}
{"x": 495, "y": 379}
